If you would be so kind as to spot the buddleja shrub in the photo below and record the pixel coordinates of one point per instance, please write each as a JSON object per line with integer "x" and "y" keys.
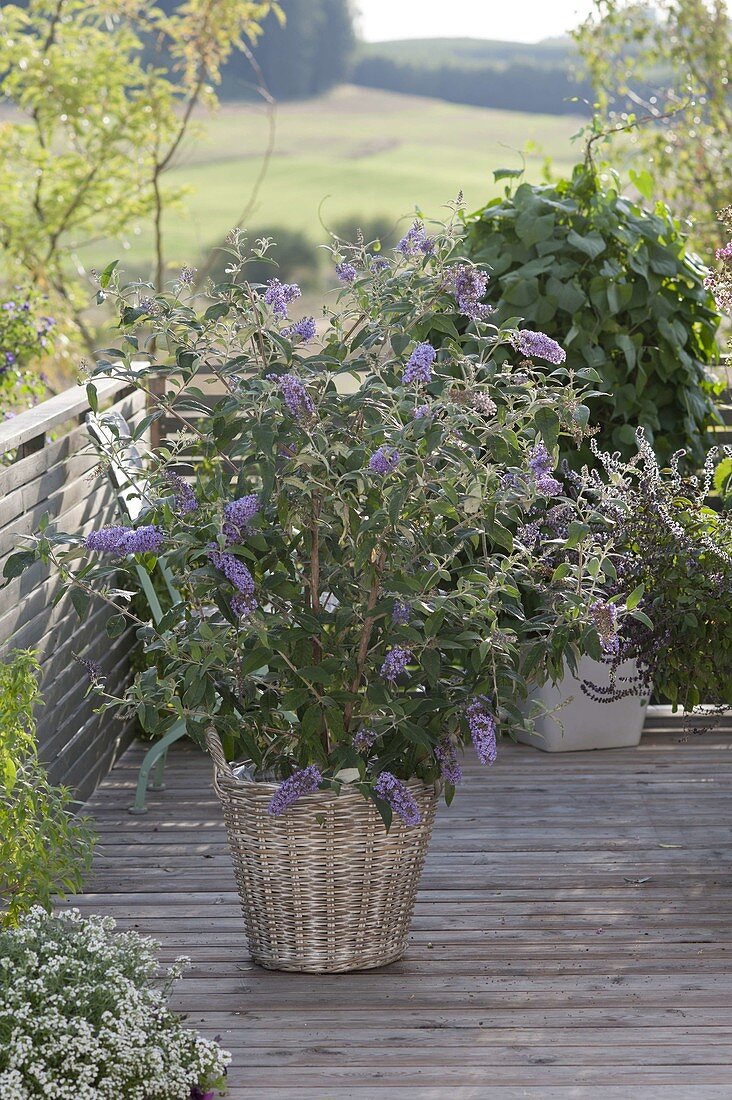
{"x": 615, "y": 284}
{"x": 367, "y": 547}
{"x": 44, "y": 848}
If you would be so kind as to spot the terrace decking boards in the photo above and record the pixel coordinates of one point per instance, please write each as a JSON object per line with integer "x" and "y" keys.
{"x": 572, "y": 937}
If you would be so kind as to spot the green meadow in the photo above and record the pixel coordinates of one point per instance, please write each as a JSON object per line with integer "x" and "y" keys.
{"x": 354, "y": 153}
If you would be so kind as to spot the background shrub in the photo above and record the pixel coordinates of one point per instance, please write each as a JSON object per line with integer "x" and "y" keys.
{"x": 44, "y": 849}
{"x": 614, "y": 284}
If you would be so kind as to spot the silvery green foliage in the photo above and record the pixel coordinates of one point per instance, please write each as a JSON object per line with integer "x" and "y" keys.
{"x": 82, "y": 1017}
{"x": 378, "y": 484}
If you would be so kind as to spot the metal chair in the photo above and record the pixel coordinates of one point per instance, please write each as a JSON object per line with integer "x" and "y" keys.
{"x": 111, "y": 435}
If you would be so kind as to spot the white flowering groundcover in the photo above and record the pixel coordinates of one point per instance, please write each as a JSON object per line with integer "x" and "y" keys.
{"x": 83, "y": 1016}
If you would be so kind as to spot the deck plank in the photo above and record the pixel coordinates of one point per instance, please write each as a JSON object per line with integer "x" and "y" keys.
{"x": 572, "y": 936}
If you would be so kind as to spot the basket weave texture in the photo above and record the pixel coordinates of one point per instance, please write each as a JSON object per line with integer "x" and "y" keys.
{"x": 323, "y": 887}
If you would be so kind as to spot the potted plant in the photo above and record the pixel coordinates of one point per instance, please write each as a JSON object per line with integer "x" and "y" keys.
{"x": 360, "y": 596}
{"x": 674, "y": 561}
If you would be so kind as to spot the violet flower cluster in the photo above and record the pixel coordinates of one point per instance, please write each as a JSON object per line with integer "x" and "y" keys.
{"x": 605, "y": 617}
{"x": 468, "y": 285}
{"x": 119, "y": 541}
{"x": 401, "y": 613}
{"x": 482, "y": 726}
{"x": 185, "y": 498}
{"x": 279, "y": 295}
{"x": 539, "y": 345}
{"x": 346, "y": 272}
{"x": 399, "y": 797}
{"x": 384, "y": 461}
{"x": 364, "y": 738}
{"x": 238, "y": 515}
{"x": 447, "y": 757}
{"x": 305, "y": 781}
{"x": 419, "y": 364}
{"x": 541, "y": 466}
{"x": 395, "y": 663}
{"x": 421, "y": 411}
{"x": 298, "y": 401}
{"x": 244, "y": 603}
{"x": 416, "y": 241}
{"x": 306, "y": 329}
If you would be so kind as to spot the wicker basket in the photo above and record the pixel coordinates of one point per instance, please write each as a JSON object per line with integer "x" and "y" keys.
{"x": 324, "y": 887}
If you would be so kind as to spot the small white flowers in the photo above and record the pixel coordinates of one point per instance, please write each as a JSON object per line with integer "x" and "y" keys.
{"x": 80, "y": 1017}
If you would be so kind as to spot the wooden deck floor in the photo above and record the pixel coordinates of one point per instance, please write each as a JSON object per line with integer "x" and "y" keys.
{"x": 572, "y": 936}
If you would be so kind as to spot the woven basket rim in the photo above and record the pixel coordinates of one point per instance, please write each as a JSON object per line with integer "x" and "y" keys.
{"x": 346, "y": 788}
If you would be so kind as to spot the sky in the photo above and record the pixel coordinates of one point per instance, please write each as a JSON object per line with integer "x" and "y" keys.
{"x": 507, "y": 20}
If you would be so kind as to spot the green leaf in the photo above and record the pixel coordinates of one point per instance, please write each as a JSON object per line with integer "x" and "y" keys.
{"x": 17, "y": 563}
{"x": 547, "y": 421}
{"x": 635, "y": 597}
{"x": 116, "y": 626}
{"x": 105, "y": 277}
{"x": 507, "y": 174}
{"x": 91, "y": 396}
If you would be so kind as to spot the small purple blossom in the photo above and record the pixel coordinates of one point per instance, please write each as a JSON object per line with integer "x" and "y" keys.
{"x": 421, "y": 412}
{"x": 380, "y": 263}
{"x": 541, "y": 465}
{"x": 384, "y": 461}
{"x": 469, "y": 285}
{"x": 724, "y": 253}
{"x": 306, "y": 329}
{"x": 419, "y": 364}
{"x": 92, "y": 668}
{"x": 538, "y": 344}
{"x": 238, "y": 515}
{"x": 185, "y": 498}
{"x": 279, "y": 295}
{"x": 125, "y": 540}
{"x": 416, "y": 241}
{"x": 482, "y": 726}
{"x": 395, "y": 663}
{"x": 401, "y": 613}
{"x": 244, "y": 603}
{"x": 296, "y": 398}
{"x": 605, "y": 617}
{"x": 449, "y": 761}
{"x": 346, "y": 272}
{"x": 364, "y": 738}
{"x": 399, "y": 797}
{"x": 305, "y": 781}
{"x": 9, "y": 358}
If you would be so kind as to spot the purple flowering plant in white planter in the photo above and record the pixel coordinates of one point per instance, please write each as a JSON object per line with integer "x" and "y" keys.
{"x": 348, "y": 521}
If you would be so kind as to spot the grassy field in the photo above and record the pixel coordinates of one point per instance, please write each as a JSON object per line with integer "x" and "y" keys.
{"x": 352, "y": 153}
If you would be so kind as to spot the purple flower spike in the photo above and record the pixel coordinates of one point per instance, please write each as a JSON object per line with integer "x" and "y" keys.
{"x": 384, "y": 461}
{"x": 279, "y": 295}
{"x": 416, "y": 241}
{"x": 364, "y": 738}
{"x": 185, "y": 498}
{"x": 421, "y": 412}
{"x": 238, "y": 515}
{"x": 297, "y": 400}
{"x": 482, "y": 726}
{"x": 125, "y": 540}
{"x": 346, "y": 272}
{"x": 540, "y": 464}
{"x": 469, "y": 285}
{"x": 538, "y": 344}
{"x": 244, "y": 603}
{"x": 401, "y": 613}
{"x": 299, "y": 783}
{"x": 605, "y": 617}
{"x": 419, "y": 364}
{"x": 447, "y": 758}
{"x": 399, "y": 797}
{"x": 306, "y": 329}
{"x": 395, "y": 663}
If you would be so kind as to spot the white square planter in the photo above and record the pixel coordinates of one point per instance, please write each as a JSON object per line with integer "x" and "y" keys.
{"x": 586, "y": 724}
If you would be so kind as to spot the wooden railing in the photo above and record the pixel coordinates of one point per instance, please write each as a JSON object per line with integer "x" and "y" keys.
{"x": 47, "y": 467}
